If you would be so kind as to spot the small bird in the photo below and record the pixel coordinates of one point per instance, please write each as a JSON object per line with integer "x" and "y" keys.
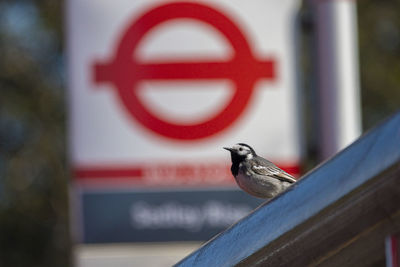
{"x": 255, "y": 175}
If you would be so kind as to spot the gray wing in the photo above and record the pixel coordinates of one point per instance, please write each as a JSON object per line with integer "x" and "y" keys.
{"x": 267, "y": 168}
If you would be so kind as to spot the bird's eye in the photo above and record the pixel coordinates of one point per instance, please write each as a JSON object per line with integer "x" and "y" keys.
{"x": 241, "y": 149}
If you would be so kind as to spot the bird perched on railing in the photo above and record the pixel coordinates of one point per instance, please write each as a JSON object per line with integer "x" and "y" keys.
{"x": 255, "y": 175}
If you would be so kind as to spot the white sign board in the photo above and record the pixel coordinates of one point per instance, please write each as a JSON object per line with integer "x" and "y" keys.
{"x": 157, "y": 88}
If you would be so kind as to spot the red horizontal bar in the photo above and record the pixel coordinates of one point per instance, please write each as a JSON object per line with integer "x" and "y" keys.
{"x": 138, "y": 173}
{"x": 108, "y": 172}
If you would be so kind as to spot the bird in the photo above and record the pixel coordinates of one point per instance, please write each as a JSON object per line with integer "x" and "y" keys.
{"x": 256, "y": 175}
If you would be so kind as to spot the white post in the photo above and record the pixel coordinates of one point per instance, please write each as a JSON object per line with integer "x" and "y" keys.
{"x": 338, "y": 76}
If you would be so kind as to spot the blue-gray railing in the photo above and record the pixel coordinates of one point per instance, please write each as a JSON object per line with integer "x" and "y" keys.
{"x": 337, "y": 194}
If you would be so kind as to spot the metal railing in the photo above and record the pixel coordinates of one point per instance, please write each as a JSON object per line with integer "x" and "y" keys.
{"x": 336, "y": 215}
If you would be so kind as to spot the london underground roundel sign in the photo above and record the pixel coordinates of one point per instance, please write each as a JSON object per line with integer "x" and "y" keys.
{"x": 156, "y": 89}
{"x": 243, "y": 69}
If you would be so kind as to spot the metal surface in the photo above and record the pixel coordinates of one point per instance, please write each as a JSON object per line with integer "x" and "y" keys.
{"x": 350, "y": 199}
{"x": 338, "y": 74}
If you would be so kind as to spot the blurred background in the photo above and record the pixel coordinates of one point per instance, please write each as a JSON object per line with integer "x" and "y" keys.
{"x": 34, "y": 173}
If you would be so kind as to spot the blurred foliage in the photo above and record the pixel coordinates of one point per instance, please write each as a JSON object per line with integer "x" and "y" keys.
{"x": 33, "y": 175}
{"x": 379, "y": 42}
{"x": 33, "y": 169}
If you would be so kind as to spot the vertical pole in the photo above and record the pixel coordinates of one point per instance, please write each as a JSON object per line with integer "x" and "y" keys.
{"x": 338, "y": 75}
{"x": 392, "y": 251}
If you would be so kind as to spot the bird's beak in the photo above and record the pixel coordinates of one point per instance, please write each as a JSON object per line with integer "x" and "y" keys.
{"x": 229, "y": 149}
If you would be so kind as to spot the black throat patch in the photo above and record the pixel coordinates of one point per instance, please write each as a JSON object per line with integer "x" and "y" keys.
{"x": 235, "y": 163}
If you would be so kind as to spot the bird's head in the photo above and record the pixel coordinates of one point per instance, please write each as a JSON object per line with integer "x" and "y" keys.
{"x": 241, "y": 151}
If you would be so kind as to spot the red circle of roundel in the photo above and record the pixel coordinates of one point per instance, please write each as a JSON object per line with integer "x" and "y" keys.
{"x": 243, "y": 69}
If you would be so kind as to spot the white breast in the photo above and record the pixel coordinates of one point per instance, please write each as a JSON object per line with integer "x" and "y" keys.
{"x": 258, "y": 185}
